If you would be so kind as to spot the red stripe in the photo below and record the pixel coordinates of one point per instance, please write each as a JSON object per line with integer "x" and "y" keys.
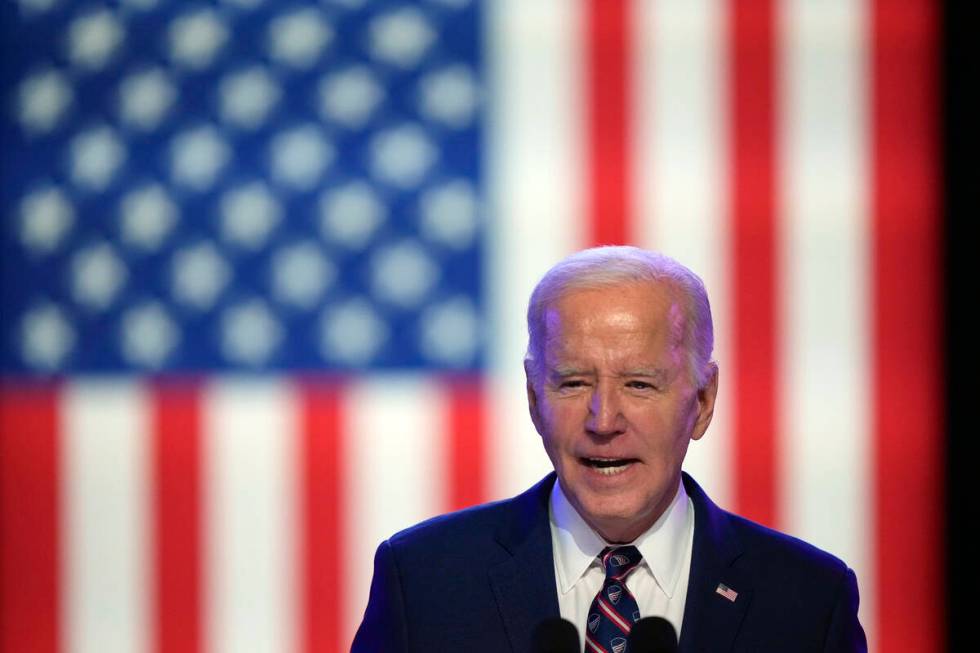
{"x": 467, "y": 474}
{"x": 322, "y": 482}
{"x": 623, "y": 575}
{"x": 595, "y": 647}
{"x": 29, "y": 519}
{"x": 178, "y": 539}
{"x": 608, "y": 99}
{"x": 908, "y": 420}
{"x": 754, "y": 237}
{"x": 614, "y": 616}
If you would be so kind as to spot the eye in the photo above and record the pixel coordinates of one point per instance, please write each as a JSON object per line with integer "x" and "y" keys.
{"x": 640, "y": 385}
{"x": 572, "y": 383}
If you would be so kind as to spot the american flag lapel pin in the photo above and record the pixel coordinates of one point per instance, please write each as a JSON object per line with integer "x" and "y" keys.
{"x": 727, "y": 592}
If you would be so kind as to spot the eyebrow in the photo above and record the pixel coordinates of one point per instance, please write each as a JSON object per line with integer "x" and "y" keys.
{"x": 657, "y": 373}
{"x": 654, "y": 373}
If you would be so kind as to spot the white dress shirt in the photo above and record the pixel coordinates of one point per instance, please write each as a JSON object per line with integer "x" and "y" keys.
{"x": 659, "y": 583}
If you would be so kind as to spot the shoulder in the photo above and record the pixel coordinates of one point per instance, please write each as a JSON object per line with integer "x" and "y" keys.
{"x": 476, "y": 522}
{"x": 769, "y": 552}
{"x": 479, "y": 528}
{"x": 811, "y": 594}
{"x": 784, "y": 553}
{"x": 801, "y": 597}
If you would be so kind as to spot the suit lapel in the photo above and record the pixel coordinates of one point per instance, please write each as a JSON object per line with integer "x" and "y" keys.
{"x": 718, "y": 594}
{"x": 524, "y": 585}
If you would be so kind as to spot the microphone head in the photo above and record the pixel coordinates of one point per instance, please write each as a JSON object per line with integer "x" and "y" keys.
{"x": 653, "y": 635}
{"x": 556, "y": 635}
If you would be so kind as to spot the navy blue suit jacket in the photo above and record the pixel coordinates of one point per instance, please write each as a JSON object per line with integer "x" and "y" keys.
{"x": 480, "y": 580}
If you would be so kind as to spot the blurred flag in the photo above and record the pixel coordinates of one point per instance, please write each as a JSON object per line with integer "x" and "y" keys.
{"x": 264, "y": 267}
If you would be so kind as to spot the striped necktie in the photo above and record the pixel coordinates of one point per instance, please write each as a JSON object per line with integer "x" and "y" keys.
{"x": 614, "y": 610}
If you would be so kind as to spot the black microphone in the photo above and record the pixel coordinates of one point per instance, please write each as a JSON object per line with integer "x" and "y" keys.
{"x": 653, "y": 635}
{"x": 556, "y": 635}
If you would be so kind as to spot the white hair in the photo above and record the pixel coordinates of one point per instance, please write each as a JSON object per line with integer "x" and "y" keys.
{"x": 601, "y": 267}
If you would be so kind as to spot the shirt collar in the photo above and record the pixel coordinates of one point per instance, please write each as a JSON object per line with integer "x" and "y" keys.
{"x": 576, "y": 545}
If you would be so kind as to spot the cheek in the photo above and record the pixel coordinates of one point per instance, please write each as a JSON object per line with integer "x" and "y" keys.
{"x": 559, "y": 419}
{"x": 657, "y": 429}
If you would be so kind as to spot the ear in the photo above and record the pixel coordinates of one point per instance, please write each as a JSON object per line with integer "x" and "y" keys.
{"x": 532, "y": 396}
{"x": 706, "y": 403}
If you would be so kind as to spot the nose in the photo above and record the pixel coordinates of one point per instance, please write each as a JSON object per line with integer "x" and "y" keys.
{"x": 605, "y": 414}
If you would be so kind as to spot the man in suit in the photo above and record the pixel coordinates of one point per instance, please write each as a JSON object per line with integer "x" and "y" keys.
{"x": 619, "y": 381}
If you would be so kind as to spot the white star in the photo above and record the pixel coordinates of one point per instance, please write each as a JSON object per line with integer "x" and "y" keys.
{"x": 198, "y": 275}
{"x": 250, "y": 333}
{"x": 149, "y": 336}
{"x": 34, "y": 7}
{"x": 297, "y": 38}
{"x": 141, "y": 5}
{"x": 43, "y": 99}
{"x": 97, "y": 275}
{"x": 248, "y": 215}
{"x": 401, "y": 37}
{"x": 402, "y": 156}
{"x": 449, "y": 332}
{"x": 196, "y": 38}
{"x": 299, "y": 156}
{"x": 46, "y": 337}
{"x": 300, "y": 274}
{"x": 248, "y": 96}
{"x": 449, "y": 214}
{"x": 148, "y": 215}
{"x": 197, "y": 156}
{"x": 450, "y": 96}
{"x": 351, "y": 332}
{"x": 145, "y": 98}
{"x": 350, "y": 96}
{"x": 46, "y": 216}
{"x": 402, "y": 274}
{"x": 96, "y": 155}
{"x": 348, "y": 4}
{"x": 350, "y": 214}
{"x": 93, "y": 39}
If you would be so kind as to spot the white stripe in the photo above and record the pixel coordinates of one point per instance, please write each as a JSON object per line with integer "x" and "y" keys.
{"x": 105, "y": 494}
{"x": 251, "y": 438}
{"x": 535, "y": 180}
{"x": 395, "y": 431}
{"x": 826, "y": 356}
{"x": 595, "y": 647}
{"x": 612, "y": 616}
{"x": 679, "y": 177}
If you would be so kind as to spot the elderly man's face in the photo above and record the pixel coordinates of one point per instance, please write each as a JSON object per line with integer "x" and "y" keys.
{"x": 615, "y": 404}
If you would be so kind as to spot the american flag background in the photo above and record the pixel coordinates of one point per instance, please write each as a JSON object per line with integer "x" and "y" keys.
{"x": 264, "y": 268}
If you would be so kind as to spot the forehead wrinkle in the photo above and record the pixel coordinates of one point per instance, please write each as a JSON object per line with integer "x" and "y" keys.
{"x": 559, "y": 329}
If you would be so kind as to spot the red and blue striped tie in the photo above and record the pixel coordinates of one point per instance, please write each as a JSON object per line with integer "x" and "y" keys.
{"x": 614, "y": 610}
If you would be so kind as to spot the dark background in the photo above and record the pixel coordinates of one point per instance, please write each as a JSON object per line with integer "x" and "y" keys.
{"x": 960, "y": 181}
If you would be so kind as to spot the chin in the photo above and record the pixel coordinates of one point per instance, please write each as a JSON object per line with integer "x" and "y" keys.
{"x": 613, "y": 512}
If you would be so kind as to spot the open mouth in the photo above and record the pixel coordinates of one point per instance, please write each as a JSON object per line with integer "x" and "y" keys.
{"x": 608, "y": 466}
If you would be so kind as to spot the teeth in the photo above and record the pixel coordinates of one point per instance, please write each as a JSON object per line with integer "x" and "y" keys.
{"x": 608, "y": 466}
{"x": 610, "y": 471}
